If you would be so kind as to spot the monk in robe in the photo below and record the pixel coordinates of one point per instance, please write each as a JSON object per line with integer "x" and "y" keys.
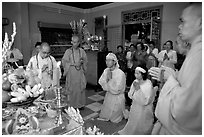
{"x": 44, "y": 67}
{"x": 179, "y": 107}
{"x": 74, "y": 63}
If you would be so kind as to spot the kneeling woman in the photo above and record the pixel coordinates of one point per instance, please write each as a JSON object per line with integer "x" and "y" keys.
{"x": 141, "y": 118}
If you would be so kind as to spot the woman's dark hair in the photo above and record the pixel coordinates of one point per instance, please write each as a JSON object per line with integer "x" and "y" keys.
{"x": 120, "y": 46}
{"x": 142, "y": 45}
{"x": 171, "y": 42}
{"x": 132, "y": 45}
{"x": 152, "y": 42}
{"x": 144, "y": 75}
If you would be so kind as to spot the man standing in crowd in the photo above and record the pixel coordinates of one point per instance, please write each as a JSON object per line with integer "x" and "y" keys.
{"x": 179, "y": 108}
{"x": 74, "y": 63}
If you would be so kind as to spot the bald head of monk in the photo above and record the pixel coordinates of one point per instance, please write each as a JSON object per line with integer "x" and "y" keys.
{"x": 191, "y": 22}
{"x": 75, "y": 42}
{"x": 44, "y": 50}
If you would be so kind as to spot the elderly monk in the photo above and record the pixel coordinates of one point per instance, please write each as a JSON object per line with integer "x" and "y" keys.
{"x": 113, "y": 81}
{"x": 179, "y": 107}
{"x": 45, "y": 66}
{"x": 74, "y": 63}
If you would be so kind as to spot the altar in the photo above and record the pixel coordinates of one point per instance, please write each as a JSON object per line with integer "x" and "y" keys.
{"x": 48, "y": 126}
{"x": 31, "y": 108}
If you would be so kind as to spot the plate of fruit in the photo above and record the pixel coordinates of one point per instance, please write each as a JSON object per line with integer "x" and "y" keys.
{"x": 20, "y": 87}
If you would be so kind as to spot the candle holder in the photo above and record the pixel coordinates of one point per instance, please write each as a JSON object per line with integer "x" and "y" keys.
{"x": 59, "y": 106}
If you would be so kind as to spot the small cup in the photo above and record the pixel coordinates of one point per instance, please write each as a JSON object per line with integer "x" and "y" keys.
{"x": 50, "y": 113}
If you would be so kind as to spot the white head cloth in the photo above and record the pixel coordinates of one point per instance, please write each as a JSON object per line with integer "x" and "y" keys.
{"x": 140, "y": 69}
{"x": 112, "y": 56}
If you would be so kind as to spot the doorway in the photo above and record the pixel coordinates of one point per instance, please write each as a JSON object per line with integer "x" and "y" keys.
{"x": 145, "y": 23}
{"x": 143, "y": 30}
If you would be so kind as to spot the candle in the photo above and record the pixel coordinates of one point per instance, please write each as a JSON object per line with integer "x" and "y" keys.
{"x": 104, "y": 21}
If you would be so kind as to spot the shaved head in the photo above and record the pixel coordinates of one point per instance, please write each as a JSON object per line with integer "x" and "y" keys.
{"x": 191, "y": 22}
{"x": 75, "y": 41}
{"x": 45, "y": 45}
{"x": 45, "y": 50}
{"x": 195, "y": 10}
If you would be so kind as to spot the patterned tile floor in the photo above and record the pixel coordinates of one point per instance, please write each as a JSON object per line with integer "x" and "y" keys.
{"x": 94, "y": 100}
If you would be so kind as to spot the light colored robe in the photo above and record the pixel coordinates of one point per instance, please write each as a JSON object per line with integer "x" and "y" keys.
{"x": 141, "y": 117}
{"x": 114, "y": 102}
{"x": 47, "y": 80}
{"x": 179, "y": 108}
{"x": 75, "y": 79}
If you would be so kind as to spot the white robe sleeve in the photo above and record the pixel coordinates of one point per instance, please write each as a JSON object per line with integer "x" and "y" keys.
{"x": 117, "y": 84}
{"x": 102, "y": 80}
{"x": 143, "y": 95}
{"x": 132, "y": 90}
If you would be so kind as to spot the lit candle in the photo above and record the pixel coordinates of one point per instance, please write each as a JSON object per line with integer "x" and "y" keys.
{"x": 104, "y": 21}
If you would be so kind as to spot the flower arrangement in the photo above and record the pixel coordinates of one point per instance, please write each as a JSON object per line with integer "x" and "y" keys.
{"x": 93, "y": 131}
{"x": 21, "y": 84}
{"x": 75, "y": 115}
{"x": 78, "y": 27}
{"x": 18, "y": 84}
{"x": 6, "y": 44}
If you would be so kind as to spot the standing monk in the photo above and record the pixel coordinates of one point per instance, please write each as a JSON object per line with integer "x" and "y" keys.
{"x": 179, "y": 107}
{"x": 45, "y": 67}
{"x": 74, "y": 63}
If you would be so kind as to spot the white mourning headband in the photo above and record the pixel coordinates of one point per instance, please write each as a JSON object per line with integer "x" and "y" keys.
{"x": 140, "y": 69}
{"x": 112, "y": 56}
